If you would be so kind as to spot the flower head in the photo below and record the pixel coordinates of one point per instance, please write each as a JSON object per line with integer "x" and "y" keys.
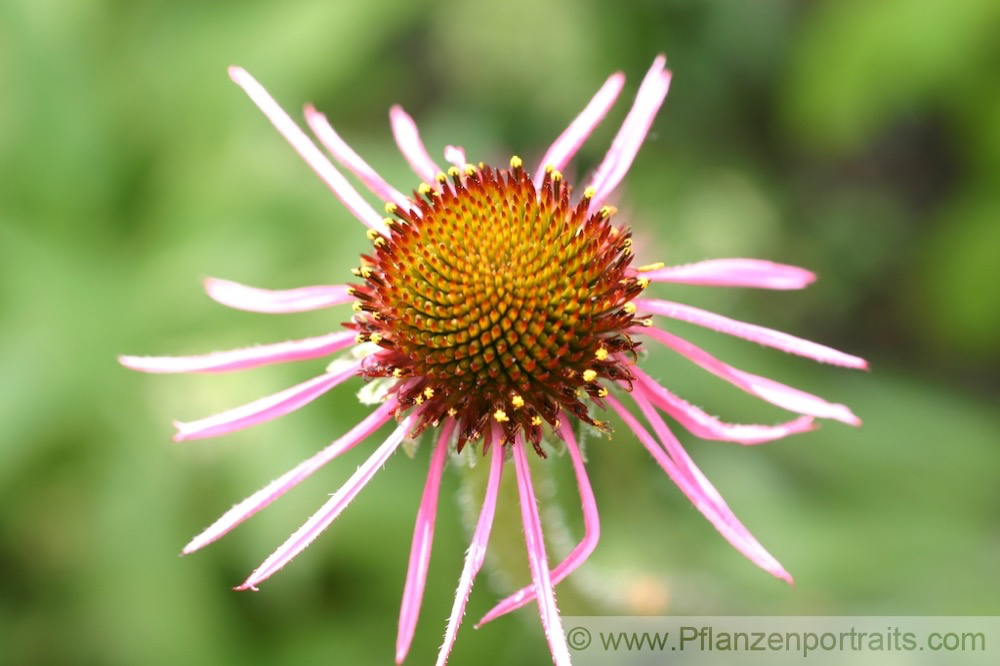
{"x": 498, "y": 306}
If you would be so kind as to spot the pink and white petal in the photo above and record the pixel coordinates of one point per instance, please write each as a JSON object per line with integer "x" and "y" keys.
{"x": 242, "y": 359}
{"x": 538, "y": 560}
{"x": 475, "y": 555}
{"x": 456, "y": 156}
{"x": 735, "y": 273}
{"x": 564, "y": 148}
{"x": 420, "y": 551}
{"x": 700, "y": 491}
{"x": 703, "y": 425}
{"x": 320, "y": 520}
{"x": 633, "y": 132}
{"x": 276, "y": 301}
{"x": 773, "y": 392}
{"x": 408, "y": 139}
{"x": 580, "y": 553}
{"x": 293, "y": 477}
{"x": 764, "y": 336}
{"x": 306, "y": 149}
{"x": 264, "y": 409}
{"x": 350, "y": 160}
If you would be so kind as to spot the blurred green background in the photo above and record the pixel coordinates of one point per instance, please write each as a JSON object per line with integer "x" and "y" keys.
{"x": 859, "y": 139}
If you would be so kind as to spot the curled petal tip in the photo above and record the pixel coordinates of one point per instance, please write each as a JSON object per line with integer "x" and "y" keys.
{"x": 236, "y": 73}
{"x": 246, "y": 586}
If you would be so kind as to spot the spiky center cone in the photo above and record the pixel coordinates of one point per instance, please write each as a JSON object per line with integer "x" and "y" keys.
{"x": 495, "y": 303}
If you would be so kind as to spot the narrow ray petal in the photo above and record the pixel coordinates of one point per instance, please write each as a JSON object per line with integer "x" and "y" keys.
{"x": 320, "y": 520}
{"x": 276, "y": 301}
{"x": 764, "y": 336}
{"x": 475, "y": 555}
{"x": 455, "y": 155}
{"x": 264, "y": 409}
{"x": 242, "y": 359}
{"x": 703, "y": 425}
{"x": 537, "y": 559}
{"x": 351, "y": 161}
{"x": 293, "y": 477}
{"x": 564, "y": 148}
{"x": 306, "y": 149}
{"x": 735, "y": 273}
{"x": 767, "y": 389}
{"x": 420, "y": 551}
{"x": 579, "y": 554}
{"x": 408, "y": 140}
{"x": 633, "y": 132}
{"x": 683, "y": 472}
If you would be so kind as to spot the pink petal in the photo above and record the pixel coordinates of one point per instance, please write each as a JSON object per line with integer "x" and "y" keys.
{"x": 476, "y": 554}
{"x": 706, "y": 426}
{"x": 270, "y": 301}
{"x": 306, "y": 149}
{"x": 320, "y": 520}
{"x": 633, "y": 132}
{"x": 455, "y": 155}
{"x": 264, "y": 409}
{"x": 293, "y": 477}
{"x": 350, "y": 160}
{"x": 565, "y": 147}
{"x": 420, "y": 551}
{"x": 537, "y": 559}
{"x": 735, "y": 273}
{"x": 408, "y": 140}
{"x": 242, "y": 359}
{"x": 683, "y": 472}
{"x": 773, "y": 392}
{"x": 579, "y": 554}
{"x": 764, "y": 336}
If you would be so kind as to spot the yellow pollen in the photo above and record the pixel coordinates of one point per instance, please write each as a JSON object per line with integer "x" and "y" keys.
{"x": 366, "y": 271}
{"x": 441, "y": 177}
{"x": 391, "y": 208}
{"x": 359, "y": 338}
{"x": 603, "y": 393}
{"x": 651, "y": 267}
{"x": 627, "y": 242}
{"x": 356, "y": 306}
{"x": 379, "y": 242}
{"x": 647, "y": 322}
{"x": 376, "y": 337}
{"x": 549, "y": 168}
{"x": 388, "y": 221}
{"x": 397, "y": 373}
{"x": 351, "y": 291}
{"x": 556, "y": 175}
{"x": 453, "y": 171}
{"x": 601, "y": 354}
{"x": 536, "y": 420}
{"x": 356, "y": 271}
{"x": 424, "y": 189}
{"x": 517, "y": 401}
{"x": 598, "y": 423}
{"x": 452, "y": 412}
{"x": 589, "y": 193}
{"x": 372, "y": 234}
{"x": 428, "y": 392}
{"x": 589, "y": 375}
{"x": 500, "y": 416}
{"x": 629, "y": 308}
{"x": 643, "y": 282}
{"x": 515, "y": 162}
{"x": 419, "y": 400}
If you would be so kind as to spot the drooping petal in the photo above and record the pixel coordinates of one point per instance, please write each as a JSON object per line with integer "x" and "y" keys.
{"x": 633, "y": 132}
{"x": 408, "y": 140}
{"x": 683, "y": 472}
{"x": 242, "y": 359}
{"x": 765, "y": 336}
{"x": 350, "y": 160}
{"x": 276, "y": 301}
{"x": 264, "y": 409}
{"x": 420, "y": 551}
{"x": 476, "y": 554}
{"x": 293, "y": 477}
{"x": 564, "y": 148}
{"x": 735, "y": 273}
{"x": 537, "y": 559}
{"x": 307, "y": 149}
{"x": 579, "y": 554}
{"x": 320, "y": 520}
{"x": 706, "y": 426}
{"x": 767, "y": 389}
